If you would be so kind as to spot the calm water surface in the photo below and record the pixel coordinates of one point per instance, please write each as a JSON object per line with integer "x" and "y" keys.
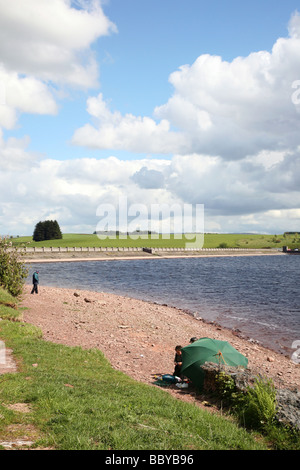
{"x": 258, "y": 295}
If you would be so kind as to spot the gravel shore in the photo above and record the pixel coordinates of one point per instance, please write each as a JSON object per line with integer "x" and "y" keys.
{"x": 138, "y": 337}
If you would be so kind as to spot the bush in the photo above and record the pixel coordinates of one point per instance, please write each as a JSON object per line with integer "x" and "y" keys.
{"x": 223, "y": 245}
{"x": 226, "y": 387}
{"x": 12, "y": 270}
{"x": 257, "y": 409}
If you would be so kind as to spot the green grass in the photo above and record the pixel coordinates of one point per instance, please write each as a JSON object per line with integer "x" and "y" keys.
{"x": 211, "y": 240}
{"x": 79, "y": 402}
{"x": 6, "y": 297}
{"x": 9, "y": 306}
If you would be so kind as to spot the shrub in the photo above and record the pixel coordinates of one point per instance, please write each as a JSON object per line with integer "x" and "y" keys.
{"x": 257, "y": 409}
{"x": 12, "y": 270}
{"x": 223, "y": 245}
{"x": 226, "y": 387}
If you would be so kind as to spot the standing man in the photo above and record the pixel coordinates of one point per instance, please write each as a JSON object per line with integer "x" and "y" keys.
{"x": 35, "y": 281}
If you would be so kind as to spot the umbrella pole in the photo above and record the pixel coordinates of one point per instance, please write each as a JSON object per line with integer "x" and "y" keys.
{"x": 220, "y": 355}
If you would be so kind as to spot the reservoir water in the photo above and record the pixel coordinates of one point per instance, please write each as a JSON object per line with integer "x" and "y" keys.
{"x": 257, "y": 295}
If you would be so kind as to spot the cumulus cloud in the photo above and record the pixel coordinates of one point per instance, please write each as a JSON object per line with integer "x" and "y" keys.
{"x": 149, "y": 179}
{"x": 46, "y": 39}
{"x": 232, "y": 128}
{"x": 133, "y": 133}
{"x": 23, "y": 94}
{"x": 241, "y": 195}
{"x": 240, "y": 187}
{"x": 241, "y": 107}
{"x": 219, "y": 108}
{"x": 14, "y": 156}
{"x": 45, "y": 45}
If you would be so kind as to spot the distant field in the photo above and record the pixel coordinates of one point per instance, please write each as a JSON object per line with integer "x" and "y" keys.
{"x": 211, "y": 240}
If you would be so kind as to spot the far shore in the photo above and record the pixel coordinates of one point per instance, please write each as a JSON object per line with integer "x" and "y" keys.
{"x": 78, "y": 256}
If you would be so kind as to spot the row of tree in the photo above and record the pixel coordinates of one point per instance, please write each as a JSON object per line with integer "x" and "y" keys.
{"x": 47, "y": 230}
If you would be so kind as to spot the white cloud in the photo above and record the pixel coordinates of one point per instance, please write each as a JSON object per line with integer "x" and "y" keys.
{"x": 232, "y": 128}
{"x": 149, "y": 179}
{"x": 246, "y": 104}
{"x": 23, "y": 94}
{"x": 219, "y": 108}
{"x": 46, "y": 39}
{"x": 133, "y": 133}
{"x": 237, "y": 195}
{"x": 45, "y": 45}
{"x": 14, "y": 156}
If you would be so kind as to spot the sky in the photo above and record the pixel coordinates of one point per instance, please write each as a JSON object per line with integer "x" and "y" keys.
{"x": 156, "y": 102}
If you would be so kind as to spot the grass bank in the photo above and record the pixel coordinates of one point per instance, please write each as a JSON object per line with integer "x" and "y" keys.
{"x": 211, "y": 240}
{"x": 76, "y": 401}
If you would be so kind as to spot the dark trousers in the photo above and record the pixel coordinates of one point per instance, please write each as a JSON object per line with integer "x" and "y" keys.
{"x": 177, "y": 370}
{"x": 35, "y": 288}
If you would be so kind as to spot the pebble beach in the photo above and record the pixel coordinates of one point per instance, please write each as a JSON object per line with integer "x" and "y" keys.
{"x": 139, "y": 337}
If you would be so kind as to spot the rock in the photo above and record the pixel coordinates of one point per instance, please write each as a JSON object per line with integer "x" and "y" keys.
{"x": 270, "y": 359}
{"x": 288, "y": 401}
{"x": 242, "y": 377}
{"x": 288, "y": 407}
{"x": 254, "y": 341}
{"x": 75, "y": 294}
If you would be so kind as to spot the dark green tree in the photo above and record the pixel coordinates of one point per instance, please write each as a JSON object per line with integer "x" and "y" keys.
{"x": 38, "y": 234}
{"x": 47, "y": 230}
{"x": 57, "y": 231}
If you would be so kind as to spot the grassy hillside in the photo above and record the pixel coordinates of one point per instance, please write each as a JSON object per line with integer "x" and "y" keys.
{"x": 211, "y": 240}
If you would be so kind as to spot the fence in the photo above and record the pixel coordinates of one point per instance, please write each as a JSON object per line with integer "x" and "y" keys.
{"x": 126, "y": 249}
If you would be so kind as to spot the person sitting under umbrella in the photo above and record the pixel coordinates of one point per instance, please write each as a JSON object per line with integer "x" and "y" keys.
{"x": 178, "y": 361}
{"x": 208, "y": 350}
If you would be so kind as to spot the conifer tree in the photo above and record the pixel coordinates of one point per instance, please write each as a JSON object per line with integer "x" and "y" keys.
{"x": 57, "y": 231}
{"x": 38, "y": 234}
{"x": 47, "y": 230}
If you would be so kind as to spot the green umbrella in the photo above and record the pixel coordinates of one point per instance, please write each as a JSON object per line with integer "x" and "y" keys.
{"x": 208, "y": 350}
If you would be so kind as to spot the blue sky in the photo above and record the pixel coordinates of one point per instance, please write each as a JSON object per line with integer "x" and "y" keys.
{"x": 181, "y": 102}
{"x": 154, "y": 38}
